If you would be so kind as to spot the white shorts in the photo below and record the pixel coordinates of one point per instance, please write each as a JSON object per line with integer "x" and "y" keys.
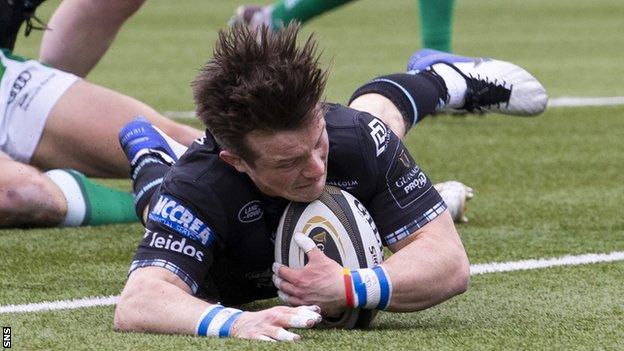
{"x": 28, "y": 92}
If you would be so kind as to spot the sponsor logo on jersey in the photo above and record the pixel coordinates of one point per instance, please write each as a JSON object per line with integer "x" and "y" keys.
{"x": 182, "y": 220}
{"x": 380, "y": 135}
{"x": 167, "y": 242}
{"x": 405, "y": 159}
{"x": 344, "y": 184}
{"x": 261, "y": 278}
{"x": 414, "y": 179}
{"x": 406, "y": 185}
{"x": 251, "y": 212}
{"x": 200, "y": 140}
{"x": 18, "y": 84}
{"x": 418, "y": 183}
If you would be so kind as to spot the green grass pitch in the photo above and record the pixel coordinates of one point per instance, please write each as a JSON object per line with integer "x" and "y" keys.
{"x": 545, "y": 187}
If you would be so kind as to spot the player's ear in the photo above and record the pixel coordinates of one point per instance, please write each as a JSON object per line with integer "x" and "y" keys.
{"x": 233, "y": 160}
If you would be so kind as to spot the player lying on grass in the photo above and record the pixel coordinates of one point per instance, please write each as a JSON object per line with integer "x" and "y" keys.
{"x": 67, "y": 197}
{"x": 271, "y": 139}
{"x": 50, "y": 119}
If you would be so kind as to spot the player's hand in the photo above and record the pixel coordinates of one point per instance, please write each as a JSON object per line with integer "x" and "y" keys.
{"x": 319, "y": 283}
{"x": 271, "y": 324}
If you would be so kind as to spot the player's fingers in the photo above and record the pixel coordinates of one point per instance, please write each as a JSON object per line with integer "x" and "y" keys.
{"x": 313, "y": 308}
{"x": 286, "y": 286}
{"x": 264, "y": 338}
{"x": 296, "y": 318}
{"x": 281, "y": 334}
{"x": 307, "y": 245}
{"x": 304, "y": 242}
{"x": 290, "y": 300}
{"x": 305, "y": 318}
{"x": 276, "y": 267}
{"x": 277, "y": 281}
{"x": 302, "y": 318}
{"x": 284, "y": 272}
{"x": 283, "y": 297}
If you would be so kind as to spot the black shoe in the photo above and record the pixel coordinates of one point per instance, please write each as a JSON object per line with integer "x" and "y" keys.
{"x": 12, "y": 14}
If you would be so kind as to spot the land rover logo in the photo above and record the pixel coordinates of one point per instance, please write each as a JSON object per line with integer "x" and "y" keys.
{"x": 251, "y": 212}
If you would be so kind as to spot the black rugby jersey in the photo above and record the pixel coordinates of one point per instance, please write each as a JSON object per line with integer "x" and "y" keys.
{"x": 211, "y": 226}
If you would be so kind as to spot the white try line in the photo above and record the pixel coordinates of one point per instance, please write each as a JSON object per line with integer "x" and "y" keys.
{"x": 572, "y": 101}
{"x": 564, "y": 101}
{"x": 60, "y": 305}
{"x": 475, "y": 269}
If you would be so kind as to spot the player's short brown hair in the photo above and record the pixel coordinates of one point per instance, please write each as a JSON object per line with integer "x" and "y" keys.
{"x": 258, "y": 81}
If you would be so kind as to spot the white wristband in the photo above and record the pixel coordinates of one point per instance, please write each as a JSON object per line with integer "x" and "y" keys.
{"x": 217, "y": 321}
{"x": 372, "y": 288}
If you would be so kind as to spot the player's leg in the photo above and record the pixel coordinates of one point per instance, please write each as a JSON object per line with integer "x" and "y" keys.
{"x": 29, "y": 198}
{"x": 81, "y": 131}
{"x": 438, "y": 81}
{"x": 82, "y": 30}
{"x": 481, "y": 85}
{"x": 285, "y": 11}
{"x": 149, "y": 152}
{"x": 282, "y": 12}
{"x": 400, "y": 100}
{"x": 436, "y": 23}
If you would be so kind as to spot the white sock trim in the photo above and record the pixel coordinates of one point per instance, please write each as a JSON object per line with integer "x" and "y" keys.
{"x": 177, "y": 148}
{"x": 76, "y": 202}
{"x": 455, "y": 84}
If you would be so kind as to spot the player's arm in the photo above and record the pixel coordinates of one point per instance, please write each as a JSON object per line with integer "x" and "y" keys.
{"x": 429, "y": 264}
{"x": 156, "y": 300}
{"x": 169, "y": 268}
{"x": 428, "y": 267}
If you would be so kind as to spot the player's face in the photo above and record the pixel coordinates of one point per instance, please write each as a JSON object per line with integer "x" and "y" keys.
{"x": 291, "y": 164}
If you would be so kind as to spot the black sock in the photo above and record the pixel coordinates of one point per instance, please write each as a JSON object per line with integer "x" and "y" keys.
{"x": 147, "y": 174}
{"x": 415, "y": 95}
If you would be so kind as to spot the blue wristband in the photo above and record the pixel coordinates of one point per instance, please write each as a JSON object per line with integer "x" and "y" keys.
{"x": 217, "y": 321}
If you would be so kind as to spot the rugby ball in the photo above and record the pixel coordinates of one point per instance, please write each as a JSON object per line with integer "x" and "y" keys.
{"x": 343, "y": 229}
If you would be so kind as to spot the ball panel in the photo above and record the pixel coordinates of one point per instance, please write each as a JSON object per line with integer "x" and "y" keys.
{"x": 338, "y": 204}
{"x": 321, "y": 225}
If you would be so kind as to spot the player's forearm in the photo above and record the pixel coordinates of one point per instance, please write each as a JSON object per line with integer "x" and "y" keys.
{"x": 425, "y": 273}
{"x": 428, "y": 267}
{"x": 157, "y": 306}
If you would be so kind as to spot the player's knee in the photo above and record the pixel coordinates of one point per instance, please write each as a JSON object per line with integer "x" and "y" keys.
{"x": 27, "y": 200}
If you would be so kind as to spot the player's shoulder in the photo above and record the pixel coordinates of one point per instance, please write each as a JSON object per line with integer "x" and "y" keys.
{"x": 354, "y": 128}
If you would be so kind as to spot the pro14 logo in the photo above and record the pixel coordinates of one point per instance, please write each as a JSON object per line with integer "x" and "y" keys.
{"x": 6, "y": 337}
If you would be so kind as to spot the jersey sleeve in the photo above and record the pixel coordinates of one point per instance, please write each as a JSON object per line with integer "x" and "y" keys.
{"x": 179, "y": 235}
{"x": 403, "y": 198}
